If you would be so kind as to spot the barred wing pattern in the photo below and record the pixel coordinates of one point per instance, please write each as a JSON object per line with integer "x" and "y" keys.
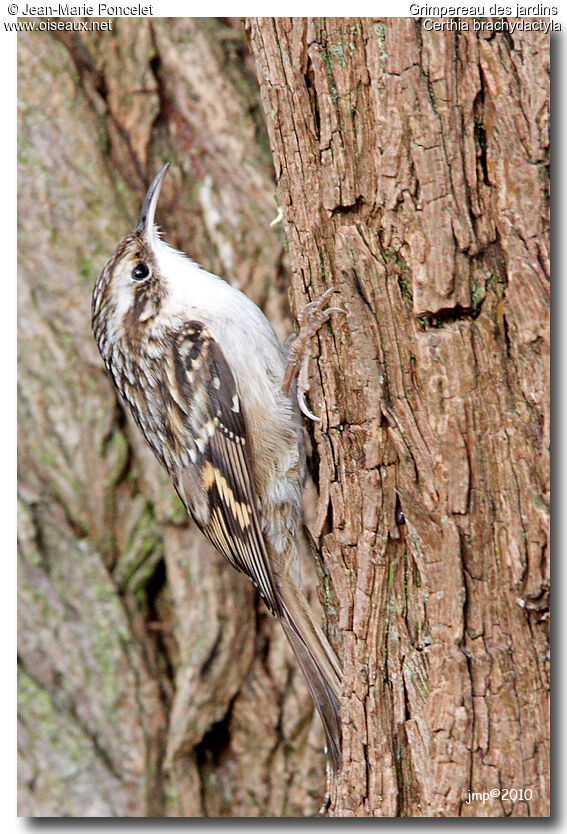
{"x": 219, "y": 454}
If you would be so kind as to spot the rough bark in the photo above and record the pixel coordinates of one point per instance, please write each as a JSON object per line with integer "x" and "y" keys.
{"x": 152, "y": 682}
{"x": 412, "y": 168}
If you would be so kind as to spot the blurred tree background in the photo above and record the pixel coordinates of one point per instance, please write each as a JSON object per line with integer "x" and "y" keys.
{"x": 140, "y": 651}
{"x": 412, "y": 169}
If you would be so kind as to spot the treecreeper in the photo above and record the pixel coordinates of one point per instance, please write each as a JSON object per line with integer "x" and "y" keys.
{"x": 212, "y": 390}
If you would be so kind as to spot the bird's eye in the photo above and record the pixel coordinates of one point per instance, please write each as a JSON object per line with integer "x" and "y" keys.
{"x": 140, "y": 272}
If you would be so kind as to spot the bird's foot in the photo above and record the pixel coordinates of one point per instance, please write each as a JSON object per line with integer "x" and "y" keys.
{"x": 310, "y": 319}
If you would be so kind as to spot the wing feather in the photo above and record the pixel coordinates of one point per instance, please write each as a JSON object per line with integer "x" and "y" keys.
{"x": 220, "y": 459}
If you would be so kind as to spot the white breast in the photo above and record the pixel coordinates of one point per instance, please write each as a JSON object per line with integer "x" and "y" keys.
{"x": 257, "y": 360}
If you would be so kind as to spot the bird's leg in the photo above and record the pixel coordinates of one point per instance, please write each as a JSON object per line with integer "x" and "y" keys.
{"x": 310, "y": 319}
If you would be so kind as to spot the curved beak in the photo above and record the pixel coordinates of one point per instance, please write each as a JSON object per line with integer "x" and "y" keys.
{"x": 147, "y": 213}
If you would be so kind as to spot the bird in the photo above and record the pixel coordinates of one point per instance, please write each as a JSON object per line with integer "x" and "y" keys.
{"x": 212, "y": 389}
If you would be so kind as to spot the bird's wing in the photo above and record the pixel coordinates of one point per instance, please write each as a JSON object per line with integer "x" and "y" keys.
{"x": 217, "y": 484}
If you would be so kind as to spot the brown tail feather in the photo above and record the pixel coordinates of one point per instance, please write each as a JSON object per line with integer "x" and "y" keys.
{"x": 319, "y": 665}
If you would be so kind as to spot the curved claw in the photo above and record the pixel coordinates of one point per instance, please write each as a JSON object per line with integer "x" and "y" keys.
{"x": 311, "y": 305}
{"x": 278, "y": 218}
{"x": 303, "y": 407}
{"x": 310, "y": 319}
{"x": 328, "y": 292}
{"x": 318, "y": 304}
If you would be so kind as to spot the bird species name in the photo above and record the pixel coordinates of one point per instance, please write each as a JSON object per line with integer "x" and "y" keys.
{"x": 495, "y": 24}
{"x": 495, "y": 9}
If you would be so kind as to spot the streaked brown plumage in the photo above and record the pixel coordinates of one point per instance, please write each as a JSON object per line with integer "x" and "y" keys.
{"x": 201, "y": 371}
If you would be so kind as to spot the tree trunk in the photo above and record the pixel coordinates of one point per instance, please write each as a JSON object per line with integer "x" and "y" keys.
{"x": 412, "y": 168}
{"x": 412, "y": 172}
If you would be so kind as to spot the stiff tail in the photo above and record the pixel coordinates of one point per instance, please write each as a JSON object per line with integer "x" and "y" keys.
{"x": 319, "y": 665}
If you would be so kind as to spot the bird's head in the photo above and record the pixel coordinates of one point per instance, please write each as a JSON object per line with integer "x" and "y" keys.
{"x": 130, "y": 288}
